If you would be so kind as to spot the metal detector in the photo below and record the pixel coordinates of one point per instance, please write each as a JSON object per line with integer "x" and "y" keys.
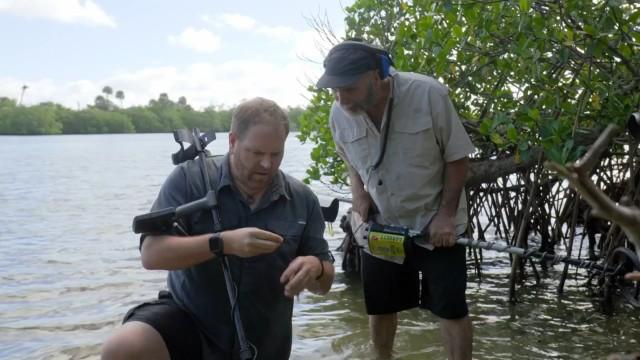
{"x": 168, "y": 220}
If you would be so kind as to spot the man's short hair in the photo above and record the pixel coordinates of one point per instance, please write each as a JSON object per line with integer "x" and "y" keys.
{"x": 255, "y": 112}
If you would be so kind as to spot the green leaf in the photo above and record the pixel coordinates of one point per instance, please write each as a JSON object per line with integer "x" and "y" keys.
{"x": 534, "y": 114}
{"x": 512, "y": 134}
{"x": 485, "y": 127}
{"x": 497, "y": 139}
{"x": 523, "y": 146}
{"x": 457, "y": 31}
{"x": 634, "y": 17}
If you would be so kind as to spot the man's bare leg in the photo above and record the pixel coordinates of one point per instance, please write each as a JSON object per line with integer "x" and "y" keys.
{"x": 135, "y": 340}
{"x": 383, "y": 332}
{"x": 457, "y": 336}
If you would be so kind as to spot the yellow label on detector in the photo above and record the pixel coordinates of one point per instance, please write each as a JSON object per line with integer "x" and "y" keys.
{"x": 385, "y": 244}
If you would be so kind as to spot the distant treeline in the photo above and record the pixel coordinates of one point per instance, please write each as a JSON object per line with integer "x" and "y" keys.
{"x": 105, "y": 116}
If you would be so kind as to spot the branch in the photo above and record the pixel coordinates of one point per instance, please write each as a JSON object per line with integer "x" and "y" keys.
{"x": 578, "y": 175}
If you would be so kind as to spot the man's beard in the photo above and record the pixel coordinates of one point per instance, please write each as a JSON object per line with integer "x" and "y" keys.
{"x": 360, "y": 108}
{"x": 354, "y": 111}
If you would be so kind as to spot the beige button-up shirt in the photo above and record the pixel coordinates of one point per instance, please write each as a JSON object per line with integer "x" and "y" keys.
{"x": 424, "y": 134}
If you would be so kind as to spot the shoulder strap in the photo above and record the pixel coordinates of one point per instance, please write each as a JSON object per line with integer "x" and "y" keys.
{"x": 215, "y": 175}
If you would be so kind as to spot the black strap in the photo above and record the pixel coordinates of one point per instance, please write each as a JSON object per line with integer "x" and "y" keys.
{"x": 385, "y": 136}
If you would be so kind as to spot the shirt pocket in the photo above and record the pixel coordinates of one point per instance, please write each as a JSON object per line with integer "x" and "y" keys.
{"x": 354, "y": 142}
{"x": 291, "y": 232}
{"x": 416, "y": 140}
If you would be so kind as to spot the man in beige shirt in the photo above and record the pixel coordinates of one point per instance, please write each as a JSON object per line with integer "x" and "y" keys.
{"x": 407, "y": 154}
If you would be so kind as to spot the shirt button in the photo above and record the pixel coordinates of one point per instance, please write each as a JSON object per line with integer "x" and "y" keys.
{"x": 379, "y": 182}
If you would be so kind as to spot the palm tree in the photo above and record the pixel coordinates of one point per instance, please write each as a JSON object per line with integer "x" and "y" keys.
{"x": 24, "y": 88}
{"x": 101, "y": 103}
{"x": 120, "y": 96}
{"x": 107, "y": 90}
{"x": 163, "y": 98}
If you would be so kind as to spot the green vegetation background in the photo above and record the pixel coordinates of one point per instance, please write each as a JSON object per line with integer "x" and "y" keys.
{"x": 105, "y": 116}
{"x": 524, "y": 75}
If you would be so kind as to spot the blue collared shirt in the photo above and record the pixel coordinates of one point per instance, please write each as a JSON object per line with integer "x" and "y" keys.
{"x": 288, "y": 208}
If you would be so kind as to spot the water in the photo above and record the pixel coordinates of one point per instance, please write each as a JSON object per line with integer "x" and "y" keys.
{"x": 70, "y": 268}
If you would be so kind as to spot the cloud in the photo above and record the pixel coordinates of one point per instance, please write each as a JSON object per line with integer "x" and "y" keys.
{"x": 216, "y": 82}
{"x": 84, "y": 12}
{"x": 309, "y": 45}
{"x": 246, "y": 23}
{"x": 200, "y": 40}
{"x": 203, "y": 84}
{"x": 238, "y": 21}
{"x": 282, "y": 33}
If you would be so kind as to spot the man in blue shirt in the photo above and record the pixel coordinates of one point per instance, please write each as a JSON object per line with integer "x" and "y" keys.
{"x": 272, "y": 238}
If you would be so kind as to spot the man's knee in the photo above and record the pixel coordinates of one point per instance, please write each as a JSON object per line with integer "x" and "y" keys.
{"x": 120, "y": 346}
{"x": 461, "y": 328}
{"x": 455, "y": 321}
{"x": 384, "y": 319}
{"x": 383, "y": 328}
{"x": 135, "y": 340}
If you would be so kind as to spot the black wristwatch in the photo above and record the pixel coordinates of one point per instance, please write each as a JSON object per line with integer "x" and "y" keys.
{"x": 216, "y": 245}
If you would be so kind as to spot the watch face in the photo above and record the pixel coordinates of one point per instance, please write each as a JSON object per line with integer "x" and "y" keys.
{"x": 215, "y": 244}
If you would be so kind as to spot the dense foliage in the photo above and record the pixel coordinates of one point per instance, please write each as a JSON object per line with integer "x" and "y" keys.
{"x": 522, "y": 74}
{"x": 104, "y": 116}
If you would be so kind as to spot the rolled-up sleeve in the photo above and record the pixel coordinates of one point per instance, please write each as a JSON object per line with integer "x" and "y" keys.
{"x": 313, "y": 241}
{"x": 452, "y": 137}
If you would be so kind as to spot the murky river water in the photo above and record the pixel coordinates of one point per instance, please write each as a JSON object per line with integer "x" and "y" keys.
{"x": 70, "y": 269}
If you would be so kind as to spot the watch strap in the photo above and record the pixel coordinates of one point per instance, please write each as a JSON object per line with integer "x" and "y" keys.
{"x": 216, "y": 246}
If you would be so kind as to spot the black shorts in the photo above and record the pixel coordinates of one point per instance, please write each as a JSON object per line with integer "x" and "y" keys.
{"x": 180, "y": 333}
{"x": 390, "y": 287}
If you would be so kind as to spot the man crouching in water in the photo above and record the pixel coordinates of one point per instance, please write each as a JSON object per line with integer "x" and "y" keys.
{"x": 272, "y": 236}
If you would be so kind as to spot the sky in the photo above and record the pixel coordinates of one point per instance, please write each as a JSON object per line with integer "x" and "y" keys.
{"x": 213, "y": 52}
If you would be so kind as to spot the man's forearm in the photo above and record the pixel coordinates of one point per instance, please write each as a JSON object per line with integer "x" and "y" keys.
{"x": 165, "y": 252}
{"x": 357, "y": 186}
{"x": 454, "y": 179}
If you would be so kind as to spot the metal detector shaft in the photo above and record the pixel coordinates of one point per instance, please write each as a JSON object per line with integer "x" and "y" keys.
{"x": 486, "y": 245}
{"x": 419, "y": 238}
{"x": 206, "y": 203}
{"x": 245, "y": 351}
{"x": 161, "y": 221}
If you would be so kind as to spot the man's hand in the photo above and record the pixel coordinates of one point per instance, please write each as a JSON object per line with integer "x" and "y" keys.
{"x": 248, "y": 242}
{"x": 300, "y": 274}
{"x": 442, "y": 231}
{"x": 632, "y": 276}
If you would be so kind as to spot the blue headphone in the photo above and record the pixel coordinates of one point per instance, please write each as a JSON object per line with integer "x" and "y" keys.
{"x": 385, "y": 64}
